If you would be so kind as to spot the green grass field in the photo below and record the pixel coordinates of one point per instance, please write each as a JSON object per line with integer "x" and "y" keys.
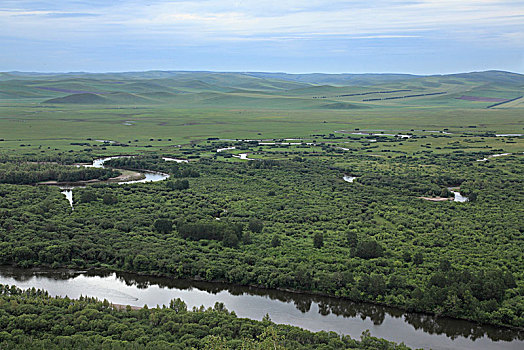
{"x": 156, "y": 112}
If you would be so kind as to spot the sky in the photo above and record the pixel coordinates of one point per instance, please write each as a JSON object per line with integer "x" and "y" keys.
{"x": 294, "y": 36}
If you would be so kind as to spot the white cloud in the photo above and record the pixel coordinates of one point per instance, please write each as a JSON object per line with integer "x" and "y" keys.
{"x": 267, "y": 19}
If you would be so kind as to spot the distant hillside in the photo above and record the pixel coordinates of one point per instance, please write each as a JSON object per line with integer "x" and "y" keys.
{"x": 265, "y": 90}
{"x": 337, "y": 79}
{"x": 110, "y": 98}
{"x": 269, "y": 79}
{"x": 492, "y": 76}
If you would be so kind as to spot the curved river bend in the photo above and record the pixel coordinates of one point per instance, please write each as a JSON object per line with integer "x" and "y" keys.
{"x": 310, "y": 312}
{"x": 149, "y": 176}
{"x": 314, "y": 313}
{"x": 458, "y": 197}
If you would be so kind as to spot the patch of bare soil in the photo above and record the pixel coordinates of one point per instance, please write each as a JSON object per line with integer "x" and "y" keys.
{"x": 436, "y": 199}
{"x": 127, "y": 175}
{"x": 124, "y": 307}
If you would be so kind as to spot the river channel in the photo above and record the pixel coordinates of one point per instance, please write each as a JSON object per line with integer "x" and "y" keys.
{"x": 314, "y": 313}
{"x": 148, "y": 176}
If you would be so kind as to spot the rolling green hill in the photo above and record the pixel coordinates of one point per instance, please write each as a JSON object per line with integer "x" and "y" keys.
{"x": 109, "y": 98}
{"x": 266, "y": 90}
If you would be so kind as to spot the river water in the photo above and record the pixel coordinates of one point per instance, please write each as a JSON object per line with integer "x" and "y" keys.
{"x": 243, "y": 156}
{"x": 459, "y": 197}
{"x": 310, "y": 312}
{"x": 149, "y": 176}
{"x": 176, "y": 160}
{"x": 349, "y": 178}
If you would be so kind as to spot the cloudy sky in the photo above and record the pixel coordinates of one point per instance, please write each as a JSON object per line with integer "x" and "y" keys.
{"x": 354, "y": 36}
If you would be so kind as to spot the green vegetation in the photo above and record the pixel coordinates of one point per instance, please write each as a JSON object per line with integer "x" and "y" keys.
{"x": 285, "y": 219}
{"x": 367, "y": 241}
{"x": 31, "y": 173}
{"x": 32, "y": 320}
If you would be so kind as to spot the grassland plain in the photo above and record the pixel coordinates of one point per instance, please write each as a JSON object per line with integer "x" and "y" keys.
{"x": 58, "y": 127}
{"x": 432, "y": 257}
{"x": 195, "y": 107}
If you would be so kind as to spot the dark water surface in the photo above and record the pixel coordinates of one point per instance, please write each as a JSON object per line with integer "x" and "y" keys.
{"x": 310, "y": 312}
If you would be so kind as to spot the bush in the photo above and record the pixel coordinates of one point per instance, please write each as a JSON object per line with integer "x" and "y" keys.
{"x": 87, "y": 196}
{"x": 318, "y": 240}
{"x": 230, "y": 240}
{"x": 275, "y": 242}
{"x": 255, "y": 225}
{"x": 418, "y": 258}
{"x": 163, "y": 226}
{"x": 109, "y": 199}
{"x": 369, "y": 249}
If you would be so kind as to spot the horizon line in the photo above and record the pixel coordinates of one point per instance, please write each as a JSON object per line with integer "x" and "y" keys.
{"x": 252, "y": 71}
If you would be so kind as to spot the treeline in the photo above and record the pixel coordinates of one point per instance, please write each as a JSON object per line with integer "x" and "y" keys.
{"x": 31, "y": 319}
{"x": 30, "y": 173}
{"x": 504, "y": 102}
{"x": 460, "y": 291}
{"x": 66, "y": 158}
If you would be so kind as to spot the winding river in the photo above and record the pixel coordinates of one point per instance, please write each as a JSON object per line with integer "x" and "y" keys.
{"x": 314, "y": 313}
{"x": 496, "y": 156}
{"x": 148, "y": 176}
{"x": 310, "y": 312}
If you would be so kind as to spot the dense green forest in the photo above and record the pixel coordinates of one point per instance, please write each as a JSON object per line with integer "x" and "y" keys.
{"x": 31, "y": 319}
{"x": 296, "y": 224}
{"x": 24, "y": 173}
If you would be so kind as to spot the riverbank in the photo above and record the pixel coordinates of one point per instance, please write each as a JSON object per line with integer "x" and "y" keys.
{"x": 256, "y": 289}
{"x": 173, "y": 327}
{"x": 305, "y": 310}
{"x": 411, "y": 237}
{"x": 125, "y": 307}
{"x": 126, "y": 175}
{"x": 312, "y": 294}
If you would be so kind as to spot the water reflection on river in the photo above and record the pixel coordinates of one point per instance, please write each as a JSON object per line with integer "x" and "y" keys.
{"x": 311, "y": 312}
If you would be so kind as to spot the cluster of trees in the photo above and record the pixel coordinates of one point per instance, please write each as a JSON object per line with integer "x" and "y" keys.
{"x": 178, "y": 184}
{"x": 368, "y": 249}
{"x": 296, "y": 225}
{"x": 457, "y": 291}
{"x": 66, "y": 158}
{"x": 23, "y": 173}
{"x": 31, "y": 319}
{"x": 425, "y": 184}
{"x": 87, "y": 195}
{"x": 229, "y": 233}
